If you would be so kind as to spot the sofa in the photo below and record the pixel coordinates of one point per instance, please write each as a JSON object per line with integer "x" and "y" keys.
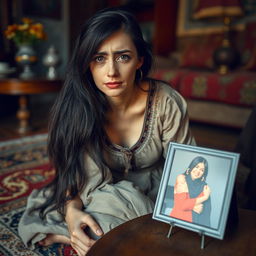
{"x": 212, "y": 97}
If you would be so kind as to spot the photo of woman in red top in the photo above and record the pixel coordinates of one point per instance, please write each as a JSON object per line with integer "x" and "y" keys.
{"x": 192, "y": 194}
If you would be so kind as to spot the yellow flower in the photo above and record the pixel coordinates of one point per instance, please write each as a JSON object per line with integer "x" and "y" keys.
{"x": 26, "y": 20}
{"x": 11, "y": 30}
{"x": 26, "y": 33}
{"x": 23, "y": 27}
{"x": 37, "y": 31}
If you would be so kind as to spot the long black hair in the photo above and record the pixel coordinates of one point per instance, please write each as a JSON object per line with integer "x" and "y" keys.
{"x": 78, "y": 115}
{"x": 195, "y": 162}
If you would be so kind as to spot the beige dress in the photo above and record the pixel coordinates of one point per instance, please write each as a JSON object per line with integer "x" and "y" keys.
{"x": 130, "y": 187}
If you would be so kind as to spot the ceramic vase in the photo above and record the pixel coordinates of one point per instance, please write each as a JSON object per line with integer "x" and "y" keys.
{"x": 51, "y": 60}
{"x": 26, "y": 57}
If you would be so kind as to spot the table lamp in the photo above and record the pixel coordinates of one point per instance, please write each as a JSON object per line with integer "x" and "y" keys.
{"x": 225, "y": 57}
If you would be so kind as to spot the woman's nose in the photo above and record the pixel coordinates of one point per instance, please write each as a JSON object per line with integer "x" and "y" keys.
{"x": 112, "y": 68}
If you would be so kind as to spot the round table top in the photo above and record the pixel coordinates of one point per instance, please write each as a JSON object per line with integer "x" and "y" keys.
{"x": 15, "y": 86}
{"x": 146, "y": 236}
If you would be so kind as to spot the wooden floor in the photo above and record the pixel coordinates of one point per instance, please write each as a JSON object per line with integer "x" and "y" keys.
{"x": 205, "y": 135}
{"x": 216, "y": 137}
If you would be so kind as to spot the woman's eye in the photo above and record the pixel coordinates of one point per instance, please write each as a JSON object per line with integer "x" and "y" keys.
{"x": 99, "y": 59}
{"x": 123, "y": 57}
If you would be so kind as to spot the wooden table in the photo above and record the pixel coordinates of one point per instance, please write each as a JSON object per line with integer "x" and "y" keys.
{"x": 23, "y": 88}
{"x": 144, "y": 236}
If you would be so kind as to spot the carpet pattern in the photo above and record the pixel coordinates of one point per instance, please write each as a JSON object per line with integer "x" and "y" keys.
{"x": 24, "y": 166}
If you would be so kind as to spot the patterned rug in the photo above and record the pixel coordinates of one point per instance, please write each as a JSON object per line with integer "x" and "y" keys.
{"x": 24, "y": 165}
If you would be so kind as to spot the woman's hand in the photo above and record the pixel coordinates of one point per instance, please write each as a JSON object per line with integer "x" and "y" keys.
{"x": 206, "y": 191}
{"x": 198, "y": 208}
{"x": 77, "y": 221}
{"x": 205, "y": 196}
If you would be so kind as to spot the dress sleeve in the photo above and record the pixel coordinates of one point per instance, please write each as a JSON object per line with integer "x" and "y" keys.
{"x": 175, "y": 120}
{"x": 183, "y": 201}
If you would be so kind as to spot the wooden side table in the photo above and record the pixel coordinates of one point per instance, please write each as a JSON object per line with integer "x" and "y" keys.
{"x": 144, "y": 236}
{"x": 23, "y": 88}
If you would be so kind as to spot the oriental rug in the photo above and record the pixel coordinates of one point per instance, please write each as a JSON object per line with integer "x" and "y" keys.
{"x": 24, "y": 166}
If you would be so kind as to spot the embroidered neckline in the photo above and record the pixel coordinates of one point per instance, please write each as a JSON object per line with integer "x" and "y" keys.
{"x": 146, "y": 124}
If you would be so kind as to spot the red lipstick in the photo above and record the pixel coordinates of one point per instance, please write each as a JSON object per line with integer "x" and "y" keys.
{"x": 113, "y": 85}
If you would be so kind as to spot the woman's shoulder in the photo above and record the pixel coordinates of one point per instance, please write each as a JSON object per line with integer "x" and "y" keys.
{"x": 166, "y": 92}
{"x": 164, "y": 87}
{"x": 181, "y": 178}
{"x": 181, "y": 184}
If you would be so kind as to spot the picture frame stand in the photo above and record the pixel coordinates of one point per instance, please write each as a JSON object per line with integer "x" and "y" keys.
{"x": 202, "y": 239}
{"x": 172, "y": 224}
{"x": 201, "y": 233}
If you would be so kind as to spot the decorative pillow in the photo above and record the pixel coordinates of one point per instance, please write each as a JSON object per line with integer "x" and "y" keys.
{"x": 198, "y": 52}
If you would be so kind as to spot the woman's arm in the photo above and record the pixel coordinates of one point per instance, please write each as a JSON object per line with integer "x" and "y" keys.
{"x": 205, "y": 196}
{"x": 77, "y": 220}
{"x": 175, "y": 119}
{"x": 181, "y": 187}
{"x": 181, "y": 196}
{"x": 198, "y": 208}
{"x": 74, "y": 203}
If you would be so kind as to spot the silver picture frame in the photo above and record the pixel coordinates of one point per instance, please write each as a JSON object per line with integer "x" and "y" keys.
{"x": 220, "y": 178}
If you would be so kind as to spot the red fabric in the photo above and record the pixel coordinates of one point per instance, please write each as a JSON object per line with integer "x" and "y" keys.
{"x": 233, "y": 88}
{"x": 183, "y": 206}
{"x": 237, "y": 88}
{"x": 171, "y": 76}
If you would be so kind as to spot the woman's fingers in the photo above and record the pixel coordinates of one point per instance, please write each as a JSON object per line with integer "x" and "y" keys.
{"x": 93, "y": 225}
{"x": 209, "y": 190}
{"x": 77, "y": 223}
{"x": 198, "y": 208}
{"x": 81, "y": 239}
{"x": 79, "y": 251}
{"x": 81, "y": 246}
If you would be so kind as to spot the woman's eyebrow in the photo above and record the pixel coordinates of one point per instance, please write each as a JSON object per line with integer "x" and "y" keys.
{"x": 115, "y": 52}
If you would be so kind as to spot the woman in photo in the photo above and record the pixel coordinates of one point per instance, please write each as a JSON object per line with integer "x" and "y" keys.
{"x": 109, "y": 133}
{"x": 192, "y": 201}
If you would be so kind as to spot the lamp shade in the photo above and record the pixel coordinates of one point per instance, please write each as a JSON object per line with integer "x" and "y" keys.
{"x": 217, "y": 8}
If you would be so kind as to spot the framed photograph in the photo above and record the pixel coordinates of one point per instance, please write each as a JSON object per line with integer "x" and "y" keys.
{"x": 188, "y": 26}
{"x": 196, "y": 189}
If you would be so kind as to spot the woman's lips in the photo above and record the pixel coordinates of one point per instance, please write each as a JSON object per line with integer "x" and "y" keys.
{"x": 113, "y": 85}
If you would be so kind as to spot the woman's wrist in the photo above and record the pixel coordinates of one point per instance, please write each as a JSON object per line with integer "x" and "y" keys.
{"x": 205, "y": 197}
{"x": 201, "y": 199}
{"x": 73, "y": 204}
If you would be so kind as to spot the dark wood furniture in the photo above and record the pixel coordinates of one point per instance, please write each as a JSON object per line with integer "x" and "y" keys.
{"x": 144, "y": 236}
{"x": 23, "y": 88}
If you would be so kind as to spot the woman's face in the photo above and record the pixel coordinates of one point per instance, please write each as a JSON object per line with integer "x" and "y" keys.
{"x": 114, "y": 65}
{"x": 198, "y": 171}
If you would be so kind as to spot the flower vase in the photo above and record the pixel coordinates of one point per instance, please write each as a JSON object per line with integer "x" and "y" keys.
{"x": 51, "y": 60}
{"x": 25, "y": 57}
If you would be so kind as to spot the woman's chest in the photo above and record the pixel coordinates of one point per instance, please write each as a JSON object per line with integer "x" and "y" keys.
{"x": 126, "y": 131}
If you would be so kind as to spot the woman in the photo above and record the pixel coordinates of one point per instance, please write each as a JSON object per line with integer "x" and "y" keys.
{"x": 108, "y": 137}
{"x": 192, "y": 194}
